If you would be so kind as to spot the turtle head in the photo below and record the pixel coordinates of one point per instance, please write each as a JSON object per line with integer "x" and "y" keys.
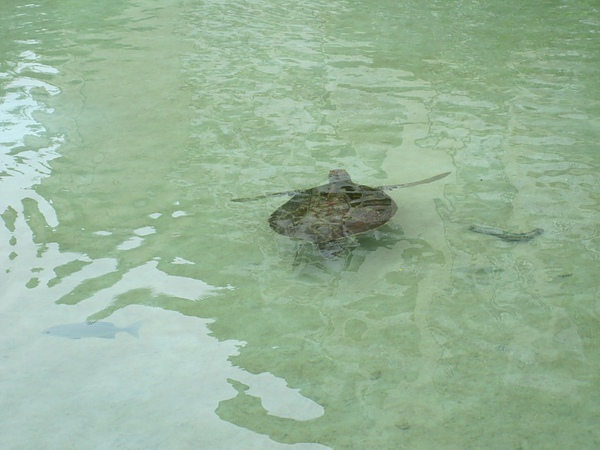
{"x": 338, "y": 175}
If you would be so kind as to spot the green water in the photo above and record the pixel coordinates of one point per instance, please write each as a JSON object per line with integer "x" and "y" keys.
{"x": 127, "y": 127}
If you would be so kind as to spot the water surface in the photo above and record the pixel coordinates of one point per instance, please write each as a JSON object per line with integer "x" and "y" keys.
{"x": 127, "y": 128}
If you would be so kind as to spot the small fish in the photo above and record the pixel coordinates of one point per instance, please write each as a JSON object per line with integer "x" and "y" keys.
{"x": 506, "y": 235}
{"x": 104, "y": 330}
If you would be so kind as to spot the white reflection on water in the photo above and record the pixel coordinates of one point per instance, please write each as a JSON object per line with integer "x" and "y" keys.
{"x": 26, "y": 149}
{"x": 21, "y": 166}
{"x": 158, "y": 282}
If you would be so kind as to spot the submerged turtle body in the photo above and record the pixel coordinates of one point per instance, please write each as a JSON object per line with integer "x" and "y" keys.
{"x": 333, "y": 211}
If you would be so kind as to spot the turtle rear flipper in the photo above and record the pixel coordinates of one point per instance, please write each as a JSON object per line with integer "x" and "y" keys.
{"x": 335, "y": 249}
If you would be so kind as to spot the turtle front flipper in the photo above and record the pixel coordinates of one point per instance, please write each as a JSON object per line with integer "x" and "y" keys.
{"x": 259, "y": 197}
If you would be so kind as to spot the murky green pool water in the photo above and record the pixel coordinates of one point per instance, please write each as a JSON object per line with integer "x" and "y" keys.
{"x": 126, "y": 128}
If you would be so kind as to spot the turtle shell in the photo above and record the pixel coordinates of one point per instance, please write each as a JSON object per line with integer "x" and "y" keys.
{"x": 333, "y": 211}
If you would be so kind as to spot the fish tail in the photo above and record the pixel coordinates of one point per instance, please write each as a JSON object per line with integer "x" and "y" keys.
{"x": 134, "y": 328}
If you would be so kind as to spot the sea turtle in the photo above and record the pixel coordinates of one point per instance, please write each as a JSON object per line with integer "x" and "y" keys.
{"x": 327, "y": 215}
